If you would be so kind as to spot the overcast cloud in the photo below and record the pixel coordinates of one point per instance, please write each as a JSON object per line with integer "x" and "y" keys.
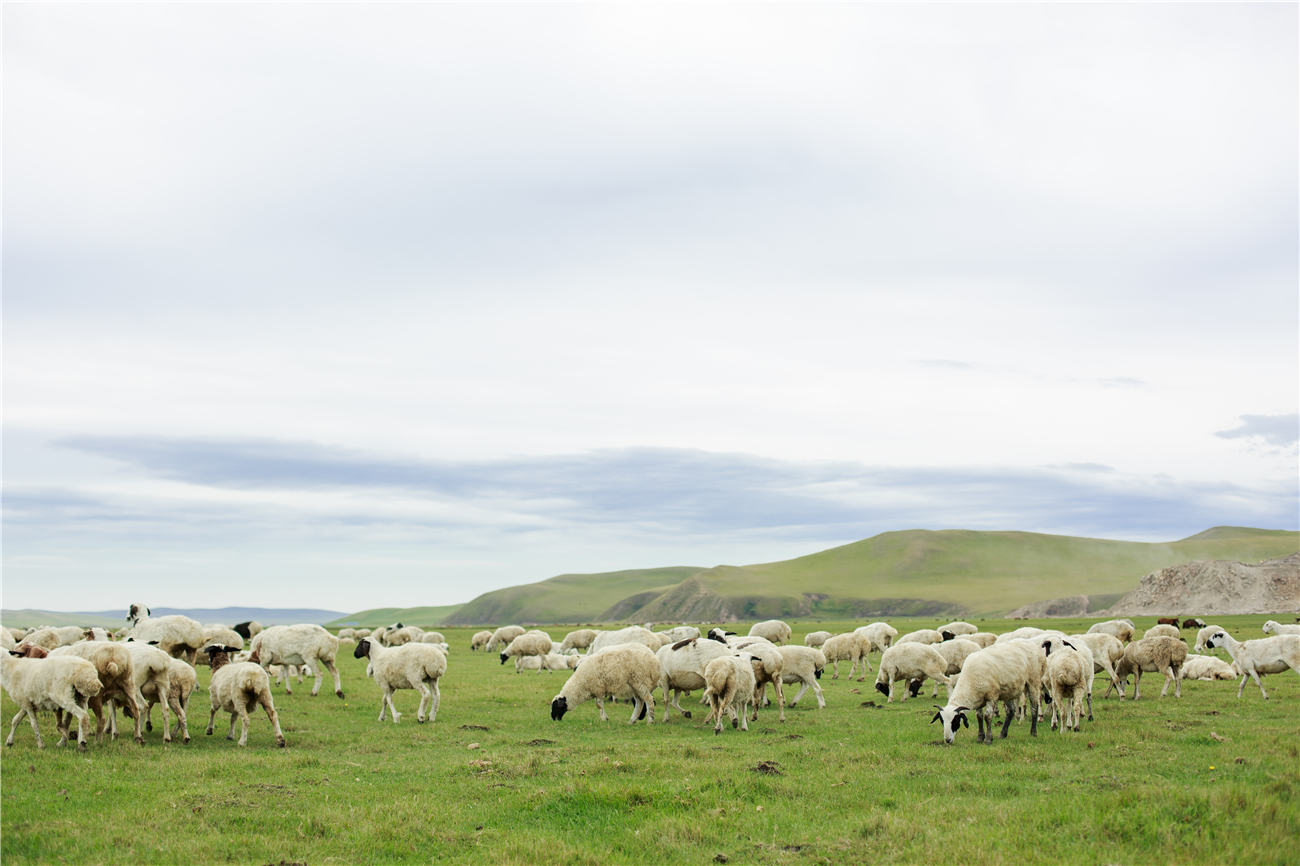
{"x": 398, "y": 303}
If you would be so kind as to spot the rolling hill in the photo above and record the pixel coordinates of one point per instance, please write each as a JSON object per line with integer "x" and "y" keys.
{"x": 375, "y": 617}
{"x": 912, "y": 572}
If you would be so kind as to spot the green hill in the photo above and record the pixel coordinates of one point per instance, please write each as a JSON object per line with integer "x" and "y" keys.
{"x": 424, "y": 617}
{"x": 909, "y": 573}
{"x": 31, "y": 618}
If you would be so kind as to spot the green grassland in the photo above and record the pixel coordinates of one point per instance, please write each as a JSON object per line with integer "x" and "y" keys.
{"x": 916, "y": 572}
{"x": 1207, "y": 778}
{"x": 33, "y": 618}
{"x": 425, "y": 617}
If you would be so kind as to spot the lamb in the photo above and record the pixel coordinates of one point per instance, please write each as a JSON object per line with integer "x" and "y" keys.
{"x": 681, "y": 669}
{"x": 479, "y": 640}
{"x": 1278, "y": 628}
{"x": 548, "y": 663}
{"x": 1001, "y": 673}
{"x": 178, "y": 636}
{"x": 1270, "y": 655}
{"x": 1160, "y": 653}
{"x": 533, "y": 643}
{"x": 909, "y": 661}
{"x": 803, "y": 665}
{"x": 1164, "y": 629}
{"x": 305, "y": 644}
{"x": 116, "y": 672}
{"x": 416, "y": 666}
{"x": 579, "y": 639}
{"x": 626, "y": 670}
{"x": 851, "y": 647}
{"x": 816, "y": 638}
{"x": 1207, "y": 668}
{"x": 1069, "y": 676}
{"x": 957, "y": 628}
{"x": 631, "y": 634}
{"x": 922, "y": 636}
{"x": 63, "y": 683}
{"x": 954, "y": 652}
{"x": 729, "y": 683}
{"x": 773, "y": 630}
{"x": 1120, "y": 628}
{"x": 504, "y": 635}
{"x": 238, "y": 687}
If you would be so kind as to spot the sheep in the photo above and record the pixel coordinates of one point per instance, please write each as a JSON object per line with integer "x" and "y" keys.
{"x": 182, "y": 681}
{"x": 504, "y": 635}
{"x": 45, "y": 638}
{"x": 1207, "y": 668}
{"x": 221, "y": 636}
{"x": 626, "y": 670}
{"x": 1106, "y": 652}
{"x": 816, "y": 638}
{"x": 252, "y": 628}
{"x": 773, "y": 630}
{"x": 909, "y": 661}
{"x": 954, "y": 652}
{"x": 553, "y": 662}
{"x": 803, "y": 665}
{"x": 345, "y": 633}
{"x": 305, "y": 644}
{"x": 1278, "y": 628}
{"x": 416, "y": 666}
{"x": 1194, "y": 622}
{"x": 63, "y": 683}
{"x": 99, "y": 634}
{"x": 578, "y": 639}
{"x": 631, "y": 634}
{"x": 1002, "y": 673}
{"x": 681, "y": 669}
{"x": 479, "y": 640}
{"x": 1270, "y": 655}
{"x": 238, "y": 687}
{"x": 432, "y": 637}
{"x": 922, "y": 636}
{"x": 1159, "y": 653}
{"x": 768, "y": 668}
{"x": 362, "y": 632}
{"x": 7, "y": 641}
{"x": 398, "y": 636}
{"x": 673, "y": 635}
{"x": 116, "y": 672}
{"x": 17, "y": 634}
{"x": 729, "y": 683}
{"x": 1068, "y": 677}
{"x": 1120, "y": 628}
{"x": 152, "y": 669}
{"x": 178, "y": 636}
{"x": 957, "y": 628}
{"x": 880, "y": 637}
{"x": 1024, "y": 633}
{"x": 985, "y": 639}
{"x": 529, "y": 644}
{"x": 1167, "y": 620}
{"x": 851, "y": 647}
{"x": 719, "y": 633}
{"x": 1164, "y": 629}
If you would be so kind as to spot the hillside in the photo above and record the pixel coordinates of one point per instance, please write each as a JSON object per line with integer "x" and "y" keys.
{"x": 1217, "y": 588}
{"x": 421, "y": 616}
{"x": 113, "y": 619}
{"x": 908, "y": 573}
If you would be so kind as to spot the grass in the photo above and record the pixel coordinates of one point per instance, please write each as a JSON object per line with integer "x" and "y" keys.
{"x": 1145, "y": 782}
{"x": 571, "y": 597}
{"x": 425, "y": 617}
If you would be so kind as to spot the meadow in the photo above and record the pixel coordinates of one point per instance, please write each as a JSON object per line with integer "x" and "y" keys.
{"x": 1206, "y": 778}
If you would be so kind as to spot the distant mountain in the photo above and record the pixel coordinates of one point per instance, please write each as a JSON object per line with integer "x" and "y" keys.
{"x": 116, "y": 619}
{"x": 421, "y": 616}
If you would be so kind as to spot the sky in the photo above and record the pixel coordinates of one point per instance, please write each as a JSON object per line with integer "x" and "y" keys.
{"x": 363, "y": 305}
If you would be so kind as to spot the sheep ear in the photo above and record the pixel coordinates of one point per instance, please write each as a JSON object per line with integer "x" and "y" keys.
{"x": 937, "y": 717}
{"x": 964, "y": 722}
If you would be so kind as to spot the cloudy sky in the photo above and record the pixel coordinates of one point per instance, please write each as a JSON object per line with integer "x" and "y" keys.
{"x": 361, "y": 305}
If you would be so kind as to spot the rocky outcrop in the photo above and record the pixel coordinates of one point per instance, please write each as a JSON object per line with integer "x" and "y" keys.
{"x": 1216, "y": 588}
{"x": 1070, "y": 605}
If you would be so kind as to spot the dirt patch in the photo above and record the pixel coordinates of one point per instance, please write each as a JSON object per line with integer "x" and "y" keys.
{"x": 475, "y": 728}
{"x": 1216, "y": 588}
{"x": 540, "y": 742}
{"x": 872, "y": 704}
{"x": 767, "y": 768}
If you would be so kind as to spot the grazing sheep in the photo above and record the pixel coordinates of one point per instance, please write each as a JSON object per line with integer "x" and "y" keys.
{"x": 673, "y": 635}
{"x": 504, "y": 635}
{"x": 816, "y": 638}
{"x": 416, "y": 666}
{"x": 63, "y": 683}
{"x": 45, "y": 638}
{"x": 178, "y": 636}
{"x": 1204, "y": 635}
{"x": 479, "y": 640}
{"x": 1120, "y": 628}
{"x": 238, "y": 687}
{"x": 626, "y": 670}
{"x": 729, "y": 683}
{"x": 1106, "y": 652}
{"x": 954, "y": 652}
{"x": 1025, "y": 633}
{"x": 1163, "y": 629}
{"x": 182, "y": 681}
{"x": 631, "y": 634}
{"x": 985, "y": 639}
{"x": 398, "y": 635}
{"x": 305, "y": 644}
{"x": 153, "y": 673}
{"x": 681, "y": 669}
{"x": 7, "y": 641}
{"x": 529, "y": 644}
{"x": 1069, "y": 678}
{"x": 1195, "y": 622}
{"x": 345, "y": 633}
{"x": 432, "y": 637}
{"x": 1278, "y": 628}
{"x": 17, "y": 634}
{"x": 1003, "y": 673}
{"x": 850, "y": 647}
{"x": 548, "y": 663}
{"x": 719, "y": 634}
{"x": 768, "y": 668}
{"x": 803, "y": 665}
{"x": 1207, "y": 668}
{"x": 1167, "y": 620}
{"x": 1160, "y": 653}
{"x": 923, "y": 636}
{"x": 579, "y": 639}
{"x": 219, "y": 636}
{"x": 252, "y": 628}
{"x": 116, "y": 672}
{"x": 773, "y": 630}
{"x": 909, "y": 661}
{"x": 957, "y": 628}
{"x": 1270, "y": 655}
{"x": 362, "y": 632}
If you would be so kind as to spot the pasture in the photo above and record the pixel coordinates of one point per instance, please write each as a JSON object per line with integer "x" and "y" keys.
{"x": 1208, "y": 779}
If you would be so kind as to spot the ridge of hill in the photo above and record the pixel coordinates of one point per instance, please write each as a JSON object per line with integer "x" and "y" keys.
{"x": 116, "y": 619}
{"x": 385, "y": 616}
{"x": 906, "y": 573}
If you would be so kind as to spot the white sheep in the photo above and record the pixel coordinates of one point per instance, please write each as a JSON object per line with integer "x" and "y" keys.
{"x": 1278, "y": 628}
{"x": 774, "y": 630}
{"x": 625, "y": 670}
{"x": 1068, "y": 678}
{"x": 1161, "y": 654}
{"x": 305, "y": 644}
{"x": 923, "y": 636}
{"x": 178, "y": 636}
{"x": 631, "y": 634}
{"x": 1023, "y": 633}
{"x": 45, "y": 638}
{"x": 578, "y": 639}
{"x": 1207, "y": 668}
{"x": 1124, "y": 629}
{"x": 432, "y": 637}
{"x": 1163, "y": 630}
{"x": 954, "y": 652}
{"x": 479, "y": 640}
{"x": 182, "y": 681}
{"x": 7, "y": 641}
{"x": 768, "y": 669}
{"x": 152, "y": 670}
{"x": 985, "y": 639}
{"x": 60, "y": 683}
{"x": 504, "y": 635}
{"x": 1270, "y": 655}
{"x": 529, "y": 644}
{"x": 116, "y": 672}
{"x": 1002, "y": 673}
{"x": 957, "y": 628}
{"x": 236, "y": 688}
{"x": 416, "y": 666}
{"x": 803, "y": 665}
{"x": 880, "y": 637}
{"x": 851, "y": 647}
{"x": 673, "y": 635}
{"x": 909, "y": 661}
{"x": 1106, "y": 650}
{"x": 218, "y": 635}
{"x": 1203, "y": 635}
{"x": 365, "y": 632}
{"x": 816, "y": 638}
{"x": 729, "y": 683}
{"x": 554, "y": 660}
{"x": 345, "y": 633}
{"x": 681, "y": 668}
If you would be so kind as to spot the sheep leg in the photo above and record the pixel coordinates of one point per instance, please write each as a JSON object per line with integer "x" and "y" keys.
{"x": 434, "y": 700}
{"x": 211, "y": 719}
{"x": 133, "y": 700}
{"x": 1006, "y": 725}
{"x": 24, "y": 711}
{"x": 423, "y": 689}
{"x": 1254, "y": 673}
{"x": 1168, "y": 673}
{"x": 780, "y": 700}
{"x": 61, "y": 727}
{"x": 338, "y": 683}
{"x": 178, "y": 711}
{"x": 979, "y": 720}
{"x": 835, "y": 666}
{"x": 233, "y": 717}
{"x": 1137, "y": 684}
{"x": 264, "y": 699}
{"x": 803, "y": 689}
{"x": 600, "y": 705}
{"x": 743, "y": 726}
{"x": 244, "y": 721}
{"x": 148, "y": 717}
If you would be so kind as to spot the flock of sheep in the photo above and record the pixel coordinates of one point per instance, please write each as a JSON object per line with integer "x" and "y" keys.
{"x": 73, "y": 671}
